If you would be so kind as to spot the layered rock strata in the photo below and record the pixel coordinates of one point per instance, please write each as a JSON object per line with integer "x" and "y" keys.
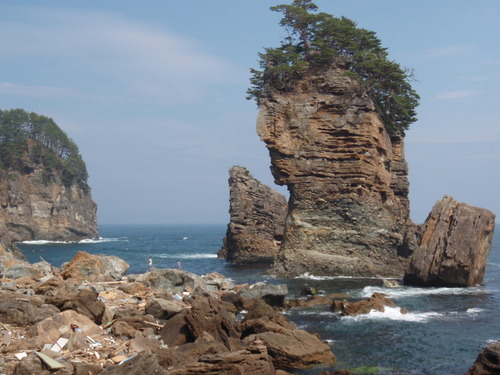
{"x": 347, "y": 177}
{"x": 257, "y": 220}
{"x": 36, "y": 205}
{"x": 454, "y": 246}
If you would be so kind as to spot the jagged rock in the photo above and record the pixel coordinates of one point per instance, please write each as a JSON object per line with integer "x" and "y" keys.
{"x": 23, "y": 310}
{"x": 487, "y": 362}
{"x": 274, "y": 295}
{"x": 85, "y": 266}
{"x": 85, "y": 302}
{"x": 257, "y": 220}
{"x": 175, "y": 331}
{"x": 377, "y": 302}
{"x": 163, "y": 309}
{"x": 454, "y": 246}
{"x": 347, "y": 177}
{"x": 207, "y": 314}
{"x": 295, "y": 349}
{"x": 123, "y": 329}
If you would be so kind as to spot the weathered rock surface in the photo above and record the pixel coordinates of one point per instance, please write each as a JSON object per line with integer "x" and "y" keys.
{"x": 377, "y": 302}
{"x": 274, "y": 295}
{"x": 86, "y": 266}
{"x": 37, "y": 206}
{"x": 347, "y": 177}
{"x": 257, "y": 220}
{"x": 487, "y": 362}
{"x": 454, "y": 246}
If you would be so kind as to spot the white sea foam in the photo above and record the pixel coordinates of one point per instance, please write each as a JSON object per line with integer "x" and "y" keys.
{"x": 394, "y": 313}
{"x": 85, "y": 241}
{"x": 308, "y": 276}
{"x": 188, "y": 256}
{"x": 413, "y": 291}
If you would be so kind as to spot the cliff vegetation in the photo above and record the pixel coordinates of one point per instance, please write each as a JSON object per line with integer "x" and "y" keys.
{"x": 318, "y": 40}
{"x": 28, "y": 139}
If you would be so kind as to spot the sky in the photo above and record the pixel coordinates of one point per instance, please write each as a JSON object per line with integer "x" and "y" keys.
{"x": 153, "y": 93}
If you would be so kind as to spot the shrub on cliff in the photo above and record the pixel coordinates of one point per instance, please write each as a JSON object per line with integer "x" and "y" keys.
{"x": 316, "y": 40}
{"x": 30, "y": 138}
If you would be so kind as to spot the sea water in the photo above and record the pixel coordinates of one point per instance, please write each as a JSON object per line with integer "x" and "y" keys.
{"x": 441, "y": 335}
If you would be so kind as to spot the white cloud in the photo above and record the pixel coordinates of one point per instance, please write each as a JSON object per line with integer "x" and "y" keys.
{"x": 104, "y": 48}
{"x": 458, "y": 94}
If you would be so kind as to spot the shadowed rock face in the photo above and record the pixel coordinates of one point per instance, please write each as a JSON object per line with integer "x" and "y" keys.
{"x": 257, "y": 221}
{"x": 348, "y": 179}
{"x": 38, "y": 206}
{"x": 454, "y": 246}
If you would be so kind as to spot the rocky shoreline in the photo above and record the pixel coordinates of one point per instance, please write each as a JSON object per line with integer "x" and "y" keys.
{"x": 89, "y": 318}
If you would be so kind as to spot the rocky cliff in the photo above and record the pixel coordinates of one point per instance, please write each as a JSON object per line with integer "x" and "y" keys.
{"x": 257, "y": 220}
{"x": 36, "y": 205}
{"x": 347, "y": 177}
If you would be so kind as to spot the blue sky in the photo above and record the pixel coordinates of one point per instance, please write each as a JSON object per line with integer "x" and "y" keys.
{"x": 153, "y": 93}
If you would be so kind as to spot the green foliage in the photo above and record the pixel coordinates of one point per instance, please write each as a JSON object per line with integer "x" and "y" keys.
{"x": 319, "y": 40}
{"x": 49, "y": 146}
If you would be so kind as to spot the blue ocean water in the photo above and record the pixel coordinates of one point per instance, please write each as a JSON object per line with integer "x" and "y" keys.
{"x": 442, "y": 335}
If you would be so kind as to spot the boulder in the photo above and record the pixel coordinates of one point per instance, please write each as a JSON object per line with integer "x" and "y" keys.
{"x": 163, "y": 309}
{"x": 176, "y": 281}
{"x": 85, "y": 266}
{"x": 207, "y": 314}
{"x": 144, "y": 363}
{"x": 50, "y": 329}
{"x": 257, "y": 220}
{"x": 20, "y": 310}
{"x": 274, "y": 295}
{"x": 175, "y": 331}
{"x": 377, "y": 302}
{"x": 487, "y": 362}
{"x": 215, "y": 281}
{"x": 454, "y": 246}
{"x": 253, "y": 359}
{"x": 295, "y": 349}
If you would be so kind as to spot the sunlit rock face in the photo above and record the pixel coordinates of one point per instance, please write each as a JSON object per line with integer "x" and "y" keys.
{"x": 36, "y": 205}
{"x": 257, "y": 221}
{"x": 347, "y": 177}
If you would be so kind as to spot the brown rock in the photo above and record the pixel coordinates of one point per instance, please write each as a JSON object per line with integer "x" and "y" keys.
{"x": 163, "y": 309}
{"x": 52, "y": 328}
{"x": 207, "y": 314}
{"x": 29, "y": 365}
{"x": 295, "y": 349}
{"x": 487, "y": 362}
{"x": 85, "y": 302}
{"x": 454, "y": 246}
{"x": 85, "y": 266}
{"x": 123, "y": 329}
{"x": 144, "y": 363}
{"x": 347, "y": 177}
{"x": 377, "y": 302}
{"x": 175, "y": 331}
{"x": 257, "y": 220}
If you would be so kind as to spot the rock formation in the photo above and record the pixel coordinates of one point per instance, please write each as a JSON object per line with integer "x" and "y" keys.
{"x": 487, "y": 362}
{"x": 38, "y": 206}
{"x": 257, "y": 222}
{"x": 454, "y": 246}
{"x": 347, "y": 177}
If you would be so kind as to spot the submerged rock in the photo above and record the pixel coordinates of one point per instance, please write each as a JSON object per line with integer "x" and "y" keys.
{"x": 454, "y": 246}
{"x": 377, "y": 302}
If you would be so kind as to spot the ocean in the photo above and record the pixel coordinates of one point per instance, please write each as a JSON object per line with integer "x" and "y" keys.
{"x": 442, "y": 335}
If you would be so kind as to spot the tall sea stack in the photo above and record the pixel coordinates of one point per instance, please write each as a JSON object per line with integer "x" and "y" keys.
{"x": 347, "y": 177}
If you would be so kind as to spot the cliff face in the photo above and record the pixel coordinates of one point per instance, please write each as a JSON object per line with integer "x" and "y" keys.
{"x": 347, "y": 177}
{"x": 37, "y": 206}
{"x": 257, "y": 222}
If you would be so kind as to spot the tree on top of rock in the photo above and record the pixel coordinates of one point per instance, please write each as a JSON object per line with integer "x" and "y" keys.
{"x": 317, "y": 40}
